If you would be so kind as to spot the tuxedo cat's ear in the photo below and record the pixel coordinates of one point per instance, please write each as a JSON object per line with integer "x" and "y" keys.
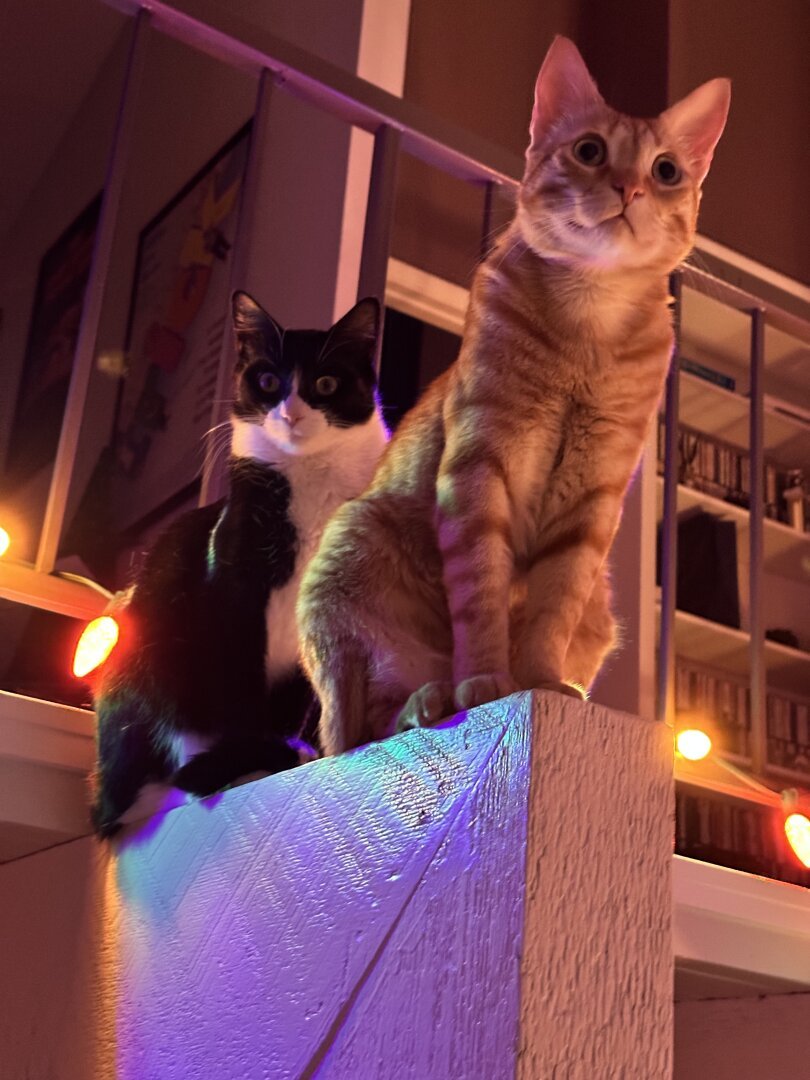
{"x": 564, "y": 88}
{"x": 697, "y": 122}
{"x": 359, "y": 328}
{"x": 255, "y": 329}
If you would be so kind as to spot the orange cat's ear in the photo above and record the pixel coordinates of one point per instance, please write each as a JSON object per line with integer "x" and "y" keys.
{"x": 564, "y": 87}
{"x": 697, "y": 122}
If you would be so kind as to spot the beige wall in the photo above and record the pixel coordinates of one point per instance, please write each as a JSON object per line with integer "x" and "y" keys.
{"x": 757, "y": 198}
{"x": 474, "y": 62}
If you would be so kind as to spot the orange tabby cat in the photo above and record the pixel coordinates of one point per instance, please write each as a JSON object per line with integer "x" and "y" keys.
{"x": 474, "y": 564}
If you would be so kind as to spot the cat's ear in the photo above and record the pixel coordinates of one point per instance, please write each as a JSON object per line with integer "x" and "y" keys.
{"x": 564, "y": 87}
{"x": 359, "y": 328}
{"x": 254, "y": 327}
{"x": 697, "y": 122}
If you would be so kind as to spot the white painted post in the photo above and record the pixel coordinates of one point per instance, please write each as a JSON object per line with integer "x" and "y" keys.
{"x": 597, "y": 967}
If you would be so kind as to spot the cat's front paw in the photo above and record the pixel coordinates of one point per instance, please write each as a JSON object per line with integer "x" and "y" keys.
{"x": 427, "y": 706}
{"x": 481, "y": 689}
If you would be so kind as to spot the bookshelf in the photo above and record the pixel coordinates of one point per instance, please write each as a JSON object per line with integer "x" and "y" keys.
{"x": 720, "y": 817}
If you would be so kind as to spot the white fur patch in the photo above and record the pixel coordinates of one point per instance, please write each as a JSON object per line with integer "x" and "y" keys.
{"x": 326, "y": 466}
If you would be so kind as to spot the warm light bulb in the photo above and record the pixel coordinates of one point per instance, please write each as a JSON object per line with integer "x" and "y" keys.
{"x": 98, "y": 640}
{"x": 5, "y": 541}
{"x": 797, "y": 830}
{"x": 693, "y": 744}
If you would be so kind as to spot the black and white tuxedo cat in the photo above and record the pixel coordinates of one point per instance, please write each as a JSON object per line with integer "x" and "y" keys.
{"x": 208, "y": 655}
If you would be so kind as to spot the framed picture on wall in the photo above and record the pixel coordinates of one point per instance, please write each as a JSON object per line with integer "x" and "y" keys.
{"x": 50, "y": 348}
{"x": 178, "y": 315}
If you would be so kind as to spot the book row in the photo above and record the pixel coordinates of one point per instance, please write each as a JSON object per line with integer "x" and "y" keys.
{"x": 726, "y": 702}
{"x": 724, "y": 471}
{"x": 740, "y": 835}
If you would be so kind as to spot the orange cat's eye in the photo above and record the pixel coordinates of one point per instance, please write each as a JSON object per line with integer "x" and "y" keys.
{"x": 666, "y": 170}
{"x": 590, "y": 150}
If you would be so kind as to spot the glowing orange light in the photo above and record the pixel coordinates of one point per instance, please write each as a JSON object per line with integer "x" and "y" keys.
{"x": 797, "y": 830}
{"x": 98, "y": 640}
{"x": 693, "y": 744}
{"x": 5, "y": 542}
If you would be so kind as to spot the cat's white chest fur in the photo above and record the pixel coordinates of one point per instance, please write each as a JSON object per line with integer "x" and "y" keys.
{"x": 320, "y": 484}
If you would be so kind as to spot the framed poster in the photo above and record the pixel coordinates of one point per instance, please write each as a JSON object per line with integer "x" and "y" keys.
{"x": 178, "y": 315}
{"x": 51, "y": 345}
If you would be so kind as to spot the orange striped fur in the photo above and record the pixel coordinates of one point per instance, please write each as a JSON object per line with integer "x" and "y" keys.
{"x": 475, "y": 563}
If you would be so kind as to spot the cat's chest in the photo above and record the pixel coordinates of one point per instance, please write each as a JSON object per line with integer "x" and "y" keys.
{"x": 314, "y": 501}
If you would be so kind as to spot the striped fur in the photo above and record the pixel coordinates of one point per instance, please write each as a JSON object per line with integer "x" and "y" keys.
{"x": 475, "y": 563}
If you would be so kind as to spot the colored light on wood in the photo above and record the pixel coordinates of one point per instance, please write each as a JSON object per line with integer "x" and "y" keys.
{"x": 98, "y": 640}
{"x": 797, "y": 830}
{"x": 5, "y": 542}
{"x": 693, "y": 744}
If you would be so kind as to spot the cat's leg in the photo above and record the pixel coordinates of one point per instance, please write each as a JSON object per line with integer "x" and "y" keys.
{"x": 128, "y": 757}
{"x": 594, "y": 637}
{"x": 474, "y": 534}
{"x": 428, "y": 705}
{"x": 559, "y": 587}
{"x": 232, "y": 758}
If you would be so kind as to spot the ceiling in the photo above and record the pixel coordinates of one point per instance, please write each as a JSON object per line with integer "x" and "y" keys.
{"x": 50, "y": 52}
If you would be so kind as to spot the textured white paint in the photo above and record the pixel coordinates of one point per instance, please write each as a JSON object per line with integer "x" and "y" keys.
{"x": 597, "y": 956}
{"x": 358, "y": 918}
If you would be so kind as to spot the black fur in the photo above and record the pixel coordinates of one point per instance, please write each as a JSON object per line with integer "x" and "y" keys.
{"x": 191, "y": 658}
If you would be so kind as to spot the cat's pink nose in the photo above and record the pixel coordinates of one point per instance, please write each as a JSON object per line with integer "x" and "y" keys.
{"x": 628, "y": 187}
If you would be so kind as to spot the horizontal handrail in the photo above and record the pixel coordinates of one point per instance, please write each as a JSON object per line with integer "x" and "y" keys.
{"x": 330, "y": 88}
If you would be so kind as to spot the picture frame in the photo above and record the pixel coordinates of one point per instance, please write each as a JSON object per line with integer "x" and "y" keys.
{"x": 64, "y": 271}
{"x": 178, "y": 314}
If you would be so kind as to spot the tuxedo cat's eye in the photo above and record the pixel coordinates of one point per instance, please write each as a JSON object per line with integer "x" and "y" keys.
{"x": 268, "y": 382}
{"x": 326, "y": 385}
{"x": 666, "y": 170}
{"x": 590, "y": 150}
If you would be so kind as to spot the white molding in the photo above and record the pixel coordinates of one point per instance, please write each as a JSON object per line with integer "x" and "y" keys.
{"x": 46, "y": 733}
{"x": 754, "y": 268}
{"x": 751, "y": 926}
{"x": 425, "y": 296}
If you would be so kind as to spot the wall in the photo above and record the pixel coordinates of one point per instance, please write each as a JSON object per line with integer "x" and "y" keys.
{"x": 743, "y": 1038}
{"x": 756, "y": 198}
{"x": 475, "y": 63}
{"x": 190, "y": 105}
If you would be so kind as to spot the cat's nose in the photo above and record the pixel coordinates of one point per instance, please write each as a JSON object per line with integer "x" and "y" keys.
{"x": 628, "y": 187}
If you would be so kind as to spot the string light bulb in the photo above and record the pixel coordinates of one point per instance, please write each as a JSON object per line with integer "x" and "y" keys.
{"x": 98, "y": 640}
{"x": 797, "y": 831}
{"x": 693, "y": 744}
{"x": 5, "y": 541}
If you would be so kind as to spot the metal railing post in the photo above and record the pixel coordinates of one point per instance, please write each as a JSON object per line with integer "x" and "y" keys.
{"x": 759, "y": 734}
{"x": 669, "y": 524}
{"x": 94, "y": 295}
{"x": 213, "y": 478}
{"x": 379, "y": 214}
{"x": 486, "y": 224}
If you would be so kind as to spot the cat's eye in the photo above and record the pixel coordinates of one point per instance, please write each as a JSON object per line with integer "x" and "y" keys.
{"x": 326, "y": 385}
{"x": 590, "y": 150}
{"x": 666, "y": 169}
{"x": 268, "y": 382}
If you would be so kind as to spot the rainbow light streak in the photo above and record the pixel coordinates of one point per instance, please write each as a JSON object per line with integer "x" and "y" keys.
{"x": 98, "y": 640}
{"x": 797, "y": 830}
